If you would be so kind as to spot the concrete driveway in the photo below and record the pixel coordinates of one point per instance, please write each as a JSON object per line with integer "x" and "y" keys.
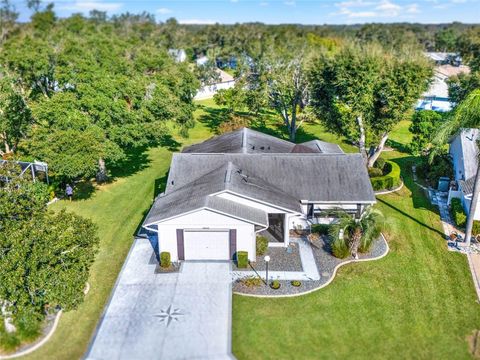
{"x": 186, "y": 315}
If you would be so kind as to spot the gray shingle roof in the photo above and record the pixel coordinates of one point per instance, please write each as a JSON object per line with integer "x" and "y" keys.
{"x": 249, "y": 141}
{"x": 467, "y": 186}
{"x": 323, "y": 147}
{"x": 313, "y": 177}
{"x": 264, "y": 168}
{"x": 469, "y": 138}
{"x": 242, "y": 141}
{"x": 198, "y": 193}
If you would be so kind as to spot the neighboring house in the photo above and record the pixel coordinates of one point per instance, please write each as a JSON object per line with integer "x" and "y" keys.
{"x": 226, "y": 82}
{"x": 445, "y": 58}
{"x": 221, "y": 193}
{"x": 179, "y": 55}
{"x": 202, "y": 60}
{"x": 464, "y": 154}
{"x": 436, "y": 97}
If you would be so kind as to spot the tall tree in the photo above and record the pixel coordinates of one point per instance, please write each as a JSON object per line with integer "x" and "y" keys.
{"x": 362, "y": 91}
{"x": 45, "y": 257}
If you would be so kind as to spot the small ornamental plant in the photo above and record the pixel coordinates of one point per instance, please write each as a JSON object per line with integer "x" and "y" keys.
{"x": 275, "y": 284}
{"x": 165, "y": 259}
{"x": 295, "y": 283}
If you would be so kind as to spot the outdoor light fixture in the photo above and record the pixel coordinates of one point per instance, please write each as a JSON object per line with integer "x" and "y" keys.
{"x": 267, "y": 259}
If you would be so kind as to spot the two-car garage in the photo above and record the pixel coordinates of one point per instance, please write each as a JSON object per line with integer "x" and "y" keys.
{"x": 206, "y": 244}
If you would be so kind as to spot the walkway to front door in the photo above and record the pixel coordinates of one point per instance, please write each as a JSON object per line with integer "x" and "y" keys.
{"x": 166, "y": 316}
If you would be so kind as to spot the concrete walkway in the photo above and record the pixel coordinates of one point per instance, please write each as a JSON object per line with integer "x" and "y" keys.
{"x": 310, "y": 269}
{"x": 184, "y": 315}
{"x": 449, "y": 227}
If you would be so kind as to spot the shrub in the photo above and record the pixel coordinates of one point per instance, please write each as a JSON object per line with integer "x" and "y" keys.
{"x": 295, "y": 283}
{"x": 380, "y": 164}
{"x": 440, "y": 166}
{"x": 275, "y": 284}
{"x": 371, "y": 234}
{"x": 262, "y": 245}
{"x": 340, "y": 248}
{"x": 375, "y": 172}
{"x": 242, "y": 259}
{"x": 321, "y": 229}
{"x": 389, "y": 181}
{"x": 476, "y": 228}
{"x": 165, "y": 261}
{"x": 252, "y": 281}
{"x": 458, "y": 214}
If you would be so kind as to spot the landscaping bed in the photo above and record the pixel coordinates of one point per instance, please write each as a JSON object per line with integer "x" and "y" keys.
{"x": 326, "y": 264}
{"x": 281, "y": 259}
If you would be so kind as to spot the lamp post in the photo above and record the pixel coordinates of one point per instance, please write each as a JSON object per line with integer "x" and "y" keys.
{"x": 267, "y": 259}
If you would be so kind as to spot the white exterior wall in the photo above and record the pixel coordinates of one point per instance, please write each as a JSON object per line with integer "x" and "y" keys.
{"x": 466, "y": 201}
{"x": 457, "y": 158}
{"x": 208, "y": 91}
{"x": 205, "y": 219}
{"x": 251, "y": 203}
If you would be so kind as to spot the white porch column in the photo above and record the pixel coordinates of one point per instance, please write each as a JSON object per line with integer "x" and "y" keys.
{"x": 286, "y": 230}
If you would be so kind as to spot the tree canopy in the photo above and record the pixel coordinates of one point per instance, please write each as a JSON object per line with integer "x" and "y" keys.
{"x": 362, "y": 91}
{"x": 45, "y": 257}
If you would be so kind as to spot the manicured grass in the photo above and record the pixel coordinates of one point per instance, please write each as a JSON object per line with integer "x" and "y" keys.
{"x": 418, "y": 302}
{"x": 118, "y": 209}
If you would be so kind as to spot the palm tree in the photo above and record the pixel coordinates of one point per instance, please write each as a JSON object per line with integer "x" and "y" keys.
{"x": 358, "y": 234}
{"x": 465, "y": 115}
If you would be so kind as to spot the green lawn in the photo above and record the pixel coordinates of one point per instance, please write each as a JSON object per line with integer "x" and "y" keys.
{"x": 418, "y": 302}
{"x": 118, "y": 209}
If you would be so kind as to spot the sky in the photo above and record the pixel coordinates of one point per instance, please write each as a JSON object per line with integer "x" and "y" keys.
{"x": 279, "y": 11}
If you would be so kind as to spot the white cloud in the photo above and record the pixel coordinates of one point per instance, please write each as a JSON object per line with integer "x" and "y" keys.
{"x": 163, "y": 11}
{"x": 412, "y": 9}
{"x": 82, "y": 6}
{"x": 381, "y": 9}
{"x": 197, "y": 21}
{"x": 234, "y": 1}
{"x": 290, "y": 3}
{"x": 458, "y": 1}
{"x": 263, "y": 3}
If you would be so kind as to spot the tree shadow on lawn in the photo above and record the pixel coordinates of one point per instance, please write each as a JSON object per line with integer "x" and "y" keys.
{"x": 136, "y": 159}
{"x": 420, "y": 200}
{"x": 213, "y": 117}
{"x": 398, "y": 146}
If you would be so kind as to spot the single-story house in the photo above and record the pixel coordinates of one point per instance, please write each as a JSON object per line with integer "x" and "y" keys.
{"x": 464, "y": 153}
{"x": 207, "y": 91}
{"x": 179, "y": 55}
{"x": 221, "y": 193}
{"x": 436, "y": 97}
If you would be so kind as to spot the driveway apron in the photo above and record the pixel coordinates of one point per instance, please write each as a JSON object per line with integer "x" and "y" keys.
{"x": 186, "y": 315}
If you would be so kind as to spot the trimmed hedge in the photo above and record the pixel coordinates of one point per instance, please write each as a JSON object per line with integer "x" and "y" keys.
{"x": 242, "y": 259}
{"x": 321, "y": 229}
{"x": 165, "y": 261}
{"x": 458, "y": 214}
{"x": 388, "y": 181}
{"x": 476, "y": 228}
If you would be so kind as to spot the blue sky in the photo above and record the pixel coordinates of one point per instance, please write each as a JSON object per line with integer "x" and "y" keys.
{"x": 281, "y": 11}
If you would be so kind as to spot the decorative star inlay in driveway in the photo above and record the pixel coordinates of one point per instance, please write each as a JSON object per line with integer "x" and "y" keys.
{"x": 169, "y": 315}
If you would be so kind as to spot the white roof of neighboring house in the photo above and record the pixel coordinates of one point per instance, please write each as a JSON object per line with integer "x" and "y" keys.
{"x": 202, "y": 60}
{"x": 439, "y": 56}
{"x": 224, "y": 76}
{"x": 439, "y": 87}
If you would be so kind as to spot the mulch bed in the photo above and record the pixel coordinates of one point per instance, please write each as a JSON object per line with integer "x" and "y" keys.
{"x": 281, "y": 259}
{"x": 326, "y": 264}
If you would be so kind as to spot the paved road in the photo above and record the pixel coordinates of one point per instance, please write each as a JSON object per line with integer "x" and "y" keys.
{"x": 166, "y": 316}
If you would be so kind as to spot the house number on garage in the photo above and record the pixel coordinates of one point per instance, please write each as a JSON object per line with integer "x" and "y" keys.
{"x": 169, "y": 315}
